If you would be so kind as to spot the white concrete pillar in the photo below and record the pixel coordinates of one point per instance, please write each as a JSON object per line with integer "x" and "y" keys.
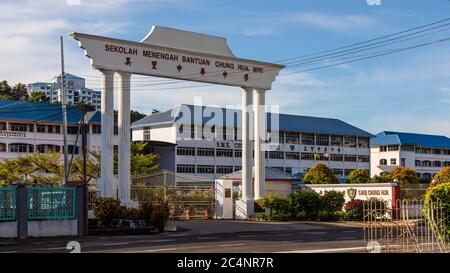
{"x": 124, "y": 139}
{"x": 245, "y": 206}
{"x": 107, "y": 133}
{"x": 259, "y": 136}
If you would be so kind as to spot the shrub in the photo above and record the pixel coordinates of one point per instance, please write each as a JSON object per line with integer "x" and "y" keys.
{"x": 443, "y": 176}
{"x": 354, "y": 209}
{"x": 259, "y": 217}
{"x": 160, "y": 216}
{"x": 147, "y": 212}
{"x": 359, "y": 176}
{"x": 274, "y": 202}
{"x": 320, "y": 174}
{"x": 405, "y": 175}
{"x": 307, "y": 202}
{"x": 332, "y": 201}
{"x": 106, "y": 209}
{"x": 441, "y": 194}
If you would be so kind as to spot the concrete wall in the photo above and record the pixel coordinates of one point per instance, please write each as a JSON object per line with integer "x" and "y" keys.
{"x": 54, "y": 227}
{"x": 8, "y": 229}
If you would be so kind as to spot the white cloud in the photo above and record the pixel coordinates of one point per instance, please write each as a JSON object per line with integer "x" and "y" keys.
{"x": 73, "y": 2}
{"x": 333, "y": 22}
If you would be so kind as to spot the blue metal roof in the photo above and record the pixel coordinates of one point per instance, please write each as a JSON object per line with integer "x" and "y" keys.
{"x": 392, "y": 138}
{"x": 232, "y": 117}
{"x": 40, "y": 112}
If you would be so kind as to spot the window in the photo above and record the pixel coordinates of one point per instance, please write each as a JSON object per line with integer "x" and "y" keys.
{"x": 40, "y": 148}
{"x": 363, "y": 158}
{"x": 50, "y": 129}
{"x": 383, "y": 148}
{"x": 183, "y": 168}
{"x": 72, "y": 130}
{"x": 281, "y": 169}
{"x": 224, "y": 169}
{"x": 383, "y": 162}
{"x": 307, "y": 139}
{"x": 446, "y": 163}
{"x": 237, "y": 153}
{"x": 57, "y": 129}
{"x": 237, "y": 168}
{"x": 292, "y": 138}
{"x": 189, "y": 151}
{"x": 350, "y": 141}
{"x": 96, "y": 129}
{"x": 426, "y": 175}
{"x": 205, "y": 152}
{"x": 426, "y": 163}
{"x": 437, "y": 151}
{"x": 418, "y": 163}
{"x": 292, "y": 155}
{"x": 363, "y": 142}
{"x": 2, "y": 126}
{"x": 322, "y": 140}
{"x": 2, "y": 147}
{"x": 18, "y": 127}
{"x": 288, "y": 170}
{"x": 320, "y": 157}
{"x": 350, "y": 158}
{"x": 147, "y": 134}
{"x": 40, "y": 128}
{"x": 224, "y": 153}
{"x": 337, "y": 157}
{"x": 336, "y": 141}
{"x": 30, "y": 127}
{"x": 393, "y": 161}
{"x": 205, "y": 168}
{"x": 407, "y": 148}
{"x": 393, "y": 147}
{"x": 116, "y": 130}
{"x": 20, "y": 148}
{"x": 307, "y": 156}
{"x": 337, "y": 172}
{"x": 403, "y": 162}
{"x": 437, "y": 163}
{"x": 276, "y": 155}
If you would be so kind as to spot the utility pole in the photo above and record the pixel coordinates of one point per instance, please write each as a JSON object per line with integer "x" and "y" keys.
{"x": 64, "y": 112}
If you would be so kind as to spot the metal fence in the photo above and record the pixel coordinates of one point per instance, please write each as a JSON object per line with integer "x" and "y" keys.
{"x": 7, "y": 204}
{"x": 51, "y": 203}
{"x": 406, "y": 226}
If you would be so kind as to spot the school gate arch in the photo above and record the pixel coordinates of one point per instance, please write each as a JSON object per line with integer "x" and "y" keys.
{"x": 183, "y": 55}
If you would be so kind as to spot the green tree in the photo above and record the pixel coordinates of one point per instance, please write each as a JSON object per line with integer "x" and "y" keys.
{"x": 332, "y": 201}
{"x": 443, "y": 176}
{"x": 142, "y": 163}
{"x": 359, "y": 176}
{"x": 439, "y": 196}
{"x": 38, "y": 97}
{"x": 93, "y": 167}
{"x": 405, "y": 175}
{"x": 5, "y": 90}
{"x": 84, "y": 106}
{"x": 135, "y": 116}
{"x": 320, "y": 174}
{"x": 384, "y": 177}
{"x": 19, "y": 91}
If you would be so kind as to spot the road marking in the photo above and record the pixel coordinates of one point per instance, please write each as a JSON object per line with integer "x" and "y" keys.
{"x": 55, "y": 248}
{"x": 206, "y": 238}
{"x": 325, "y": 250}
{"x": 232, "y": 245}
{"x": 9, "y": 252}
{"x": 115, "y": 244}
{"x": 178, "y": 235}
{"x": 316, "y": 232}
{"x": 296, "y": 241}
{"x": 285, "y": 234}
{"x": 247, "y": 236}
{"x": 346, "y": 238}
{"x": 156, "y": 241}
{"x": 349, "y": 231}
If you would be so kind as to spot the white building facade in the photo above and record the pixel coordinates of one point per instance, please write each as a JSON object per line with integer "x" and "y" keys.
{"x": 37, "y": 127}
{"x": 426, "y": 154}
{"x": 75, "y": 88}
{"x": 302, "y": 140}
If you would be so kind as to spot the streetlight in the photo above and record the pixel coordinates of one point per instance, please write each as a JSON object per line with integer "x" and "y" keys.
{"x": 396, "y": 180}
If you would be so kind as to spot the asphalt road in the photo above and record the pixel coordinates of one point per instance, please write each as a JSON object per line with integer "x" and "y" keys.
{"x": 211, "y": 237}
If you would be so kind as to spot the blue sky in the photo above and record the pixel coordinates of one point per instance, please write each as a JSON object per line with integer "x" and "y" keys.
{"x": 408, "y": 91}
